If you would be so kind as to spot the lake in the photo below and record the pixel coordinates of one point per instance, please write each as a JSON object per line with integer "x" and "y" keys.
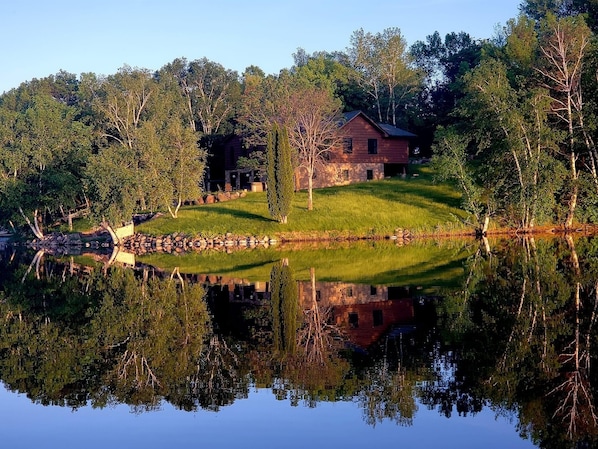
{"x": 456, "y": 343}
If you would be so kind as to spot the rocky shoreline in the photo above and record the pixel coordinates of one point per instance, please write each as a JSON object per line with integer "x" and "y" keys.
{"x": 180, "y": 243}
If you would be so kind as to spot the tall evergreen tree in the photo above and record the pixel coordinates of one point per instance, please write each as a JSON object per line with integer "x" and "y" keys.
{"x": 280, "y": 173}
{"x": 285, "y": 307}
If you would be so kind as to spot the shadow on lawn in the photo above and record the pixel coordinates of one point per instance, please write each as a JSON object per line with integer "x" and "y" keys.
{"x": 242, "y": 214}
{"x": 412, "y": 193}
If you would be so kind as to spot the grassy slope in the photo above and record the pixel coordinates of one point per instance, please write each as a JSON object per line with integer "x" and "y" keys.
{"x": 372, "y": 208}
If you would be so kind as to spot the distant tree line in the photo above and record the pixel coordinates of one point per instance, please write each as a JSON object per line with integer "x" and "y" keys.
{"x": 511, "y": 119}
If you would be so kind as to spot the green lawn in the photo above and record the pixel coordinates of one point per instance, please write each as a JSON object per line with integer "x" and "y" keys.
{"x": 365, "y": 209}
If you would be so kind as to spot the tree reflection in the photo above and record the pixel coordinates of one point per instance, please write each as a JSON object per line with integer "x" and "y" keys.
{"x": 310, "y": 365}
{"x": 388, "y": 393}
{"x": 540, "y": 296}
{"x": 576, "y": 406}
{"x": 89, "y": 337}
{"x": 517, "y": 335}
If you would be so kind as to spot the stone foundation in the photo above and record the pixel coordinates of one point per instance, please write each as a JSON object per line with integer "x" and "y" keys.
{"x": 339, "y": 174}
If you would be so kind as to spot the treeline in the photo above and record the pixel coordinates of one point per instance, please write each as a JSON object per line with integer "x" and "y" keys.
{"x": 138, "y": 140}
{"x": 511, "y": 118}
{"x": 521, "y": 140}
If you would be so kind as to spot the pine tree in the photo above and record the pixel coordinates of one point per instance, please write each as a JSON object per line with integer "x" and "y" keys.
{"x": 280, "y": 174}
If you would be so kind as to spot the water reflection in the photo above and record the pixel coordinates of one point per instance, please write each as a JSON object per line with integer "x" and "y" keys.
{"x": 516, "y": 335}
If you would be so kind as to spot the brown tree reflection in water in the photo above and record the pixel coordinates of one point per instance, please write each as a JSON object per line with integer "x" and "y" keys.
{"x": 576, "y": 407}
{"x": 539, "y": 298}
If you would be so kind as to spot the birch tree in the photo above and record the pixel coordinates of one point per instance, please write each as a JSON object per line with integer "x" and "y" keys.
{"x": 149, "y": 158}
{"x": 43, "y": 149}
{"x": 386, "y": 70}
{"x": 563, "y": 45}
{"x": 521, "y": 139}
{"x": 210, "y": 92}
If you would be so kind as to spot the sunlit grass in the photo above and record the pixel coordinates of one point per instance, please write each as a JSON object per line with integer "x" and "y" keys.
{"x": 372, "y": 208}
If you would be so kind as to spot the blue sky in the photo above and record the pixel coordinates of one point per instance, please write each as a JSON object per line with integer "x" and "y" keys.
{"x": 41, "y": 37}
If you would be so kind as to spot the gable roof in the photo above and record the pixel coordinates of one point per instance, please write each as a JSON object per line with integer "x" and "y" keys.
{"x": 394, "y": 131}
{"x": 389, "y": 130}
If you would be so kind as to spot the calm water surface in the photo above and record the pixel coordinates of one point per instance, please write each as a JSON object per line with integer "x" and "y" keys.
{"x": 452, "y": 344}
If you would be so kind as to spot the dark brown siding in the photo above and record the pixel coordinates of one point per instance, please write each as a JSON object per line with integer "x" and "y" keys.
{"x": 393, "y": 150}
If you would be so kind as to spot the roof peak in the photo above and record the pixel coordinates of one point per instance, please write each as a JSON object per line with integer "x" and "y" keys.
{"x": 390, "y": 130}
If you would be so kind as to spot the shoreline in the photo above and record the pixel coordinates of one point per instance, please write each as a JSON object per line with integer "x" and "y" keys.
{"x": 181, "y": 241}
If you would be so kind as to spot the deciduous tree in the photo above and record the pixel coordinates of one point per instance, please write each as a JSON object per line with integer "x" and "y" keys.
{"x": 313, "y": 122}
{"x": 43, "y": 150}
{"x": 386, "y": 70}
{"x": 563, "y": 44}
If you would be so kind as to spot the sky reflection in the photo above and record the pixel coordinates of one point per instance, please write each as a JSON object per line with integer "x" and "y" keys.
{"x": 259, "y": 421}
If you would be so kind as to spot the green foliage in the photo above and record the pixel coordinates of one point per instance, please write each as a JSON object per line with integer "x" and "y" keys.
{"x": 150, "y": 159}
{"x": 128, "y": 141}
{"x": 515, "y": 141}
{"x": 280, "y": 174}
{"x": 540, "y": 296}
{"x": 43, "y": 149}
{"x": 450, "y": 162}
{"x": 141, "y": 337}
{"x": 334, "y": 73}
{"x": 385, "y": 71}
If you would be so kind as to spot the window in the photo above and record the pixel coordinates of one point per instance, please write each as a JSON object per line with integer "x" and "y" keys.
{"x": 345, "y": 175}
{"x": 377, "y": 316}
{"x": 318, "y": 295}
{"x": 372, "y": 146}
{"x": 353, "y": 320}
{"x": 349, "y": 291}
{"x": 369, "y": 174}
{"x": 373, "y": 290}
{"x": 347, "y": 145}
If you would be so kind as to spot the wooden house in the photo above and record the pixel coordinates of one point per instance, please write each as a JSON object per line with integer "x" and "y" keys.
{"x": 368, "y": 151}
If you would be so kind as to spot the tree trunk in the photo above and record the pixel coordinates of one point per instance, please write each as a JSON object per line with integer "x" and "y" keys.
{"x": 310, "y": 189}
{"x": 174, "y": 213}
{"x": 33, "y": 226}
{"x": 572, "y": 207}
{"x": 575, "y": 190}
{"x": 485, "y": 224}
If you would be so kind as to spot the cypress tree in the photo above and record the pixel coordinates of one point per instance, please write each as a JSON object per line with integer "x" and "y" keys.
{"x": 280, "y": 173}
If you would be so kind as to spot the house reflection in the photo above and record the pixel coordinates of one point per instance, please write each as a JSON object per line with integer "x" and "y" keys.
{"x": 365, "y": 313}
